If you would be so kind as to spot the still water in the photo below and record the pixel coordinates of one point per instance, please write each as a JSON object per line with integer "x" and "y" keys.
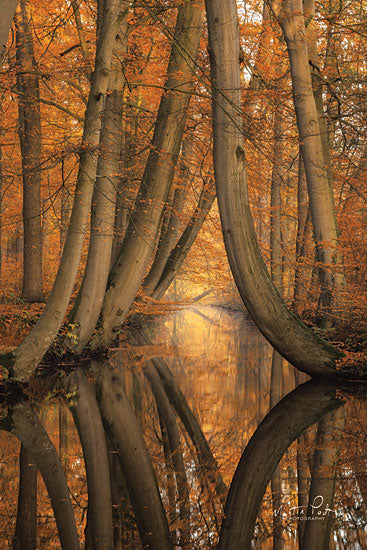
{"x": 222, "y": 366}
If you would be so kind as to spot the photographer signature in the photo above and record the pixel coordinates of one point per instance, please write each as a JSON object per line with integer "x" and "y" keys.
{"x": 316, "y": 510}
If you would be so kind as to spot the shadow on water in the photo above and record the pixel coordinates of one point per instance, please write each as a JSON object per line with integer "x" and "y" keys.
{"x": 157, "y": 435}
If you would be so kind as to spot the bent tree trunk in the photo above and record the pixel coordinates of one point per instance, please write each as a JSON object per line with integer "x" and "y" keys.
{"x": 276, "y": 432}
{"x": 282, "y": 329}
{"x": 136, "y": 465}
{"x": 132, "y": 262}
{"x": 93, "y": 288}
{"x": 23, "y": 361}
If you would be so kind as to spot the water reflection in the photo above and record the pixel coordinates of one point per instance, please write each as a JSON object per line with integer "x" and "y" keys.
{"x": 183, "y": 407}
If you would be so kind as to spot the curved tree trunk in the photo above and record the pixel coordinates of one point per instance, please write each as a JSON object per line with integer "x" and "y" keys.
{"x": 22, "y": 362}
{"x": 281, "y": 328}
{"x": 23, "y": 423}
{"x": 188, "y": 419}
{"x": 90, "y": 299}
{"x": 132, "y": 262}
{"x": 178, "y": 254}
{"x": 136, "y": 465}
{"x": 92, "y": 437}
{"x": 271, "y": 439}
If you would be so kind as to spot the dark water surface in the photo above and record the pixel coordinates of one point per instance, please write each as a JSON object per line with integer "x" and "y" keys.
{"x": 222, "y": 365}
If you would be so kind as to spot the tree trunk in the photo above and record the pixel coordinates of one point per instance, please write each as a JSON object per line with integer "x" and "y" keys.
{"x": 174, "y": 446}
{"x": 30, "y": 145}
{"x": 281, "y": 328}
{"x": 92, "y": 438}
{"x": 22, "y": 362}
{"x": 266, "y": 447}
{"x": 185, "y": 242}
{"x": 136, "y": 465}
{"x": 131, "y": 265}
{"x": 90, "y": 299}
{"x": 8, "y": 8}
{"x": 321, "y": 498}
{"x": 316, "y": 166}
{"x": 63, "y": 437}
{"x": 25, "y": 536}
{"x": 24, "y": 424}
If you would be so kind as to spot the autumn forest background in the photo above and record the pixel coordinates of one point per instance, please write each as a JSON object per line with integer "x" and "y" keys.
{"x": 173, "y": 173}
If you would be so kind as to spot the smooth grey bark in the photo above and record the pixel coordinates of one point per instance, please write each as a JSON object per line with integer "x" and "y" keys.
{"x": 170, "y": 226}
{"x": 22, "y": 362}
{"x": 90, "y": 299}
{"x": 24, "y": 424}
{"x": 292, "y": 22}
{"x": 280, "y": 327}
{"x": 25, "y": 536}
{"x": 91, "y": 433}
{"x": 178, "y": 254}
{"x": 139, "y": 243}
{"x": 8, "y": 8}
{"x": 276, "y": 432}
{"x": 29, "y": 129}
{"x": 136, "y": 465}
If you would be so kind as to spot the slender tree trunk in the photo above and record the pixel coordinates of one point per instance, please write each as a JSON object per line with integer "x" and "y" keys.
{"x": 22, "y": 362}
{"x": 281, "y": 328}
{"x": 174, "y": 446}
{"x": 131, "y": 265}
{"x": 188, "y": 419}
{"x": 170, "y": 230}
{"x": 136, "y": 465}
{"x": 91, "y": 434}
{"x": 302, "y": 485}
{"x": 266, "y": 447}
{"x": 321, "y": 498}
{"x": 316, "y": 166}
{"x": 185, "y": 242}
{"x": 8, "y": 8}
{"x": 25, "y": 425}
{"x": 63, "y": 437}
{"x": 30, "y": 145}
{"x": 25, "y": 536}
{"x": 93, "y": 288}
{"x": 276, "y": 379}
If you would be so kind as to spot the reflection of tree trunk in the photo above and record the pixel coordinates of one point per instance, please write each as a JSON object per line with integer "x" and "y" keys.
{"x": 287, "y": 335}
{"x": 30, "y": 144}
{"x": 317, "y": 533}
{"x": 132, "y": 262}
{"x": 170, "y": 428}
{"x": 63, "y": 437}
{"x": 91, "y": 433}
{"x": 277, "y": 431}
{"x": 26, "y": 426}
{"x": 137, "y": 468}
{"x": 26, "y": 527}
{"x": 206, "y": 459}
{"x": 302, "y": 484}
